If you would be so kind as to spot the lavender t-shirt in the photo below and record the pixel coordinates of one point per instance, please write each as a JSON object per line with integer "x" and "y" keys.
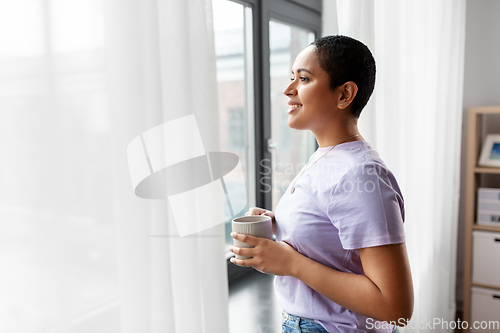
{"x": 346, "y": 201}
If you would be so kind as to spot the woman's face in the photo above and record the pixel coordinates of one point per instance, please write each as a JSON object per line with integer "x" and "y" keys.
{"x": 311, "y": 101}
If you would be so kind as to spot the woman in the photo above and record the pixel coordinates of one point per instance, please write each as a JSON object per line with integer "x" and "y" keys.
{"x": 340, "y": 255}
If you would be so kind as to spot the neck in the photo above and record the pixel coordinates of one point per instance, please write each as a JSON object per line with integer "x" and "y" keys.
{"x": 337, "y": 132}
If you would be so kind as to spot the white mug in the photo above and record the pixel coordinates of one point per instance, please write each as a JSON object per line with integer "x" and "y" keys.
{"x": 254, "y": 225}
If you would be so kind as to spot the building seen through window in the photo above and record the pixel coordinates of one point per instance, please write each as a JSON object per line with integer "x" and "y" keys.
{"x": 231, "y": 44}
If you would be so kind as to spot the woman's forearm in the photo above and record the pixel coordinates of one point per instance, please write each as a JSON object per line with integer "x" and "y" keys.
{"x": 384, "y": 292}
{"x": 355, "y": 292}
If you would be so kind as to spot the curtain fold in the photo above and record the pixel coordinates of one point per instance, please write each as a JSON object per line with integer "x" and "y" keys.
{"x": 162, "y": 68}
{"x": 79, "y": 81}
{"x": 414, "y": 121}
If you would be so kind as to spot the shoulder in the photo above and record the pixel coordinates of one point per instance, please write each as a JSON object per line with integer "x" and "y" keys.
{"x": 353, "y": 154}
{"x": 349, "y": 169}
{"x": 365, "y": 174}
{"x": 359, "y": 160}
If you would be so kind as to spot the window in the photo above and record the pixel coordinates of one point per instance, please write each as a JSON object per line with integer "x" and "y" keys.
{"x": 233, "y": 48}
{"x": 236, "y": 130}
{"x": 256, "y": 44}
{"x": 292, "y": 147}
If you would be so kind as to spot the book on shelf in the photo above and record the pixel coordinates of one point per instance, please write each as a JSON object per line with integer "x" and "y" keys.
{"x": 488, "y": 206}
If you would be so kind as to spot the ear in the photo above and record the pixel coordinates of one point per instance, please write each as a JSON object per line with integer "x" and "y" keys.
{"x": 347, "y": 93}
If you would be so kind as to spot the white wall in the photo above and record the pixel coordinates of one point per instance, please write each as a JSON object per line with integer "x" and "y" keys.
{"x": 481, "y": 87}
{"x": 481, "y": 83}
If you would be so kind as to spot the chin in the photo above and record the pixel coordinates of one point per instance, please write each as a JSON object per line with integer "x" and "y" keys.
{"x": 295, "y": 123}
{"x": 295, "y": 126}
{"x": 290, "y": 124}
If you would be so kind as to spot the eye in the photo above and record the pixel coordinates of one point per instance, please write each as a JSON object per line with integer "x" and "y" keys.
{"x": 302, "y": 78}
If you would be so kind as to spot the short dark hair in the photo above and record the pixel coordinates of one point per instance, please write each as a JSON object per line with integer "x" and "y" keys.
{"x": 347, "y": 59}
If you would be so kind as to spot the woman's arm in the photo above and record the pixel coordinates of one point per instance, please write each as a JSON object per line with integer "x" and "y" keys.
{"x": 384, "y": 293}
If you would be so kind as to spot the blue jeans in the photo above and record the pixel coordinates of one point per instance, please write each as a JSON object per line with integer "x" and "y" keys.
{"x": 294, "y": 324}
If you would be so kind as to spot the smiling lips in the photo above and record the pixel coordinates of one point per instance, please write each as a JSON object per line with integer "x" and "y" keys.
{"x": 293, "y": 107}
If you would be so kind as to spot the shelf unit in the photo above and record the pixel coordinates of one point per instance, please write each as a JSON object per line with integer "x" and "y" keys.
{"x": 473, "y": 173}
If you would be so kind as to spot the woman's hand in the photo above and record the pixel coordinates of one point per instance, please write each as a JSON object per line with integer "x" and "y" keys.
{"x": 262, "y": 211}
{"x": 269, "y": 257}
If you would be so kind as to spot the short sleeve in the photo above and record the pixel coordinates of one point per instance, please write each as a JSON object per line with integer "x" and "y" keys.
{"x": 367, "y": 207}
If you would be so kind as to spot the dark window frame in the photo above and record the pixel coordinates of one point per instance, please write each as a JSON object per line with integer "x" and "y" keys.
{"x": 303, "y": 13}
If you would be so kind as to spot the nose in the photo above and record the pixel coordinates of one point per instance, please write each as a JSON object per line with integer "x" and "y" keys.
{"x": 290, "y": 90}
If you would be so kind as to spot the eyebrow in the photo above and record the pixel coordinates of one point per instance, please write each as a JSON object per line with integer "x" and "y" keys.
{"x": 302, "y": 69}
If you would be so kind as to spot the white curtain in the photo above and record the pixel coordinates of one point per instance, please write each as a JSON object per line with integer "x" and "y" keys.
{"x": 414, "y": 121}
{"x": 79, "y": 80}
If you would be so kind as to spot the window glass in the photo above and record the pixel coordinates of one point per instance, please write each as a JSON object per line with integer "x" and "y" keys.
{"x": 293, "y": 147}
{"x": 233, "y": 40}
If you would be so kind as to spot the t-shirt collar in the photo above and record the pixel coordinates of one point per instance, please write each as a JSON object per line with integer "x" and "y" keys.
{"x": 340, "y": 146}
